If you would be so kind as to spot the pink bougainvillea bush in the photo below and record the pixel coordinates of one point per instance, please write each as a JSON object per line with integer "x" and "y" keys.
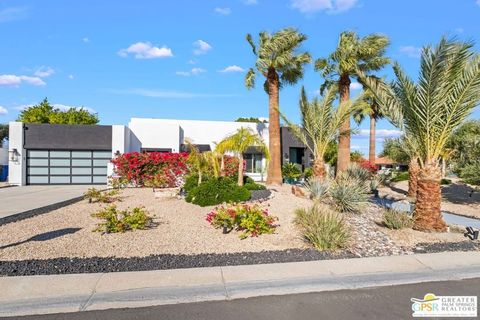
{"x": 153, "y": 169}
{"x": 251, "y": 220}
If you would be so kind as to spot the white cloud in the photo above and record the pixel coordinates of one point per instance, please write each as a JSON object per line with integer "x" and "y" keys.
{"x": 43, "y": 72}
{"x": 193, "y": 72}
{"x": 411, "y": 51}
{"x": 12, "y": 14}
{"x": 223, "y": 11}
{"x": 355, "y": 86}
{"x": 71, "y": 77}
{"x": 191, "y": 61}
{"x": 250, "y": 2}
{"x": 158, "y": 93}
{"x": 86, "y": 40}
{"x": 381, "y": 133}
{"x": 330, "y": 6}
{"x": 15, "y": 81}
{"x": 3, "y": 110}
{"x": 145, "y": 50}
{"x": 232, "y": 68}
{"x": 201, "y": 47}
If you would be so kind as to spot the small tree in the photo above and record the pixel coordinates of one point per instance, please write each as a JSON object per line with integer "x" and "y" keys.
{"x": 239, "y": 142}
{"x": 3, "y": 133}
{"x": 44, "y": 112}
{"x": 321, "y": 122}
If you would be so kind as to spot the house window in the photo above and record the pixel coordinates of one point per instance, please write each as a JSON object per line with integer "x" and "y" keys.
{"x": 253, "y": 162}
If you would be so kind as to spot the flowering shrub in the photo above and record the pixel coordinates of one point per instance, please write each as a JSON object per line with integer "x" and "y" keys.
{"x": 154, "y": 169}
{"x": 251, "y": 220}
{"x": 231, "y": 166}
{"x": 365, "y": 164}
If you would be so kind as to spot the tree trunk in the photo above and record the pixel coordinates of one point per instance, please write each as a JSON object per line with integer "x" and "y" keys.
{"x": 274, "y": 173}
{"x": 344, "y": 140}
{"x": 240, "y": 170}
{"x": 319, "y": 168}
{"x": 413, "y": 170}
{"x": 371, "y": 146}
{"x": 444, "y": 168}
{"x": 427, "y": 215}
{"x": 222, "y": 166}
{"x": 199, "y": 177}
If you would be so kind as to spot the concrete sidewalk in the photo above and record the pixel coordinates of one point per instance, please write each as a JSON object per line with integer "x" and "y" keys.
{"x": 79, "y": 292}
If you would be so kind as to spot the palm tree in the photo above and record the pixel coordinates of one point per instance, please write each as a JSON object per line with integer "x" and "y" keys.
{"x": 352, "y": 54}
{"x": 279, "y": 61}
{"x": 447, "y": 91}
{"x": 320, "y": 125}
{"x": 238, "y": 143}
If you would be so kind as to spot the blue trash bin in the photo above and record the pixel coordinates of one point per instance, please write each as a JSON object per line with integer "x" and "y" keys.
{"x": 3, "y": 173}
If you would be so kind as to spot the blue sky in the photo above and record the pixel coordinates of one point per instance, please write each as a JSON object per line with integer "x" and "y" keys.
{"x": 186, "y": 59}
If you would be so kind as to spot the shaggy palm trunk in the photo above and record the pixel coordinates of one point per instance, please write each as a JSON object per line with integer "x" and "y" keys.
{"x": 274, "y": 173}
{"x": 199, "y": 177}
{"x": 240, "y": 170}
{"x": 344, "y": 140}
{"x": 371, "y": 146}
{"x": 427, "y": 214}
{"x": 319, "y": 168}
{"x": 413, "y": 171}
{"x": 222, "y": 166}
{"x": 444, "y": 168}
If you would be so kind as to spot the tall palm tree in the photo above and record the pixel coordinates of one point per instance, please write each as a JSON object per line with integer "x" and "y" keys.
{"x": 447, "y": 91}
{"x": 278, "y": 60}
{"x": 321, "y": 122}
{"x": 353, "y": 53}
{"x": 238, "y": 143}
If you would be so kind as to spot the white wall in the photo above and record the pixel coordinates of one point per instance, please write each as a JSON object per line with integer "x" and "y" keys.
{"x": 16, "y": 169}
{"x": 4, "y": 156}
{"x": 155, "y": 133}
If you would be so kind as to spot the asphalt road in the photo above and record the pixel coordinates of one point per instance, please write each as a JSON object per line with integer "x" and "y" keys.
{"x": 374, "y": 303}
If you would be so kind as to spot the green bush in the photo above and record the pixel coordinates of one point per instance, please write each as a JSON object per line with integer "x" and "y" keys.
{"x": 122, "y": 220}
{"x": 95, "y": 195}
{"x": 322, "y": 227}
{"x": 348, "y": 194}
{"x": 291, "y": 171}
{"x": 445, "y": 181}
{"x": 249, "y": 184}
{"x": 471, "y": 173}
{"x": 191, "y": 181}
{"x": 400, "y": 176}
{"x": 394, "y": 219}
{"x": 307, "y": 173}
{"x": 252, "y": 220}
{"x": 217, "y": 190}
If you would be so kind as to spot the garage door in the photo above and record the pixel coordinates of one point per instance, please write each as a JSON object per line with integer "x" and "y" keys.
{"x": 67, "y": 166}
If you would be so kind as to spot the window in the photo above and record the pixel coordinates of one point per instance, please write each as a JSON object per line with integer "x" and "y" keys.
{"x": 253, "y": 162}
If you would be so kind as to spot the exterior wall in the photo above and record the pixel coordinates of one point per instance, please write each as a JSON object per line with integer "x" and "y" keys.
{"x": 155, "y": 133}
{"x": 4, "y": 156}
{"x": 290, "y": 141}
{"x": 123, "y": 140}
{"x": 17, "y": 172}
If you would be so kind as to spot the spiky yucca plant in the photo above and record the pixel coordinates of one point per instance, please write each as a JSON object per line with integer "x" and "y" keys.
{"x": 317, "y": 187}
{"x": 447, "y": 91}
{"x": 349, "y": 194}
{"x": 278, "y": 60}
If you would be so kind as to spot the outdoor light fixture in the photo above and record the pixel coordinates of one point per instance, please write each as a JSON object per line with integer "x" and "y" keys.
{"x": 471, "y": 234}
{"x": 285, "y": 156}
{"x": 13, "y": 155}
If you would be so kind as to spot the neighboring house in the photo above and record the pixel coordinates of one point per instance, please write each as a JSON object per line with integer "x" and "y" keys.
{"x": 3, "y": 162}
{"x": 81, "y": 154}
{"x": 383, "y": 163}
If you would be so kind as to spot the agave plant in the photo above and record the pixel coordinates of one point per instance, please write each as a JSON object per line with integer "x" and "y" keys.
{"x": 429, "y": 110}
{"x": 317, "y": 187}
{"x": 348, "y": 193}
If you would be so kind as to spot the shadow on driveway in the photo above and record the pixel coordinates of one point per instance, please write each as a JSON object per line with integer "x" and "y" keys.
{"x": 44, "y": 236}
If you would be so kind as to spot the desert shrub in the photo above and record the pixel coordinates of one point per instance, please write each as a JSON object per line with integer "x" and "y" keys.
{"x": 400, "y": 176}
{"x": 291, "y": 171}
{"x": 355, "y": 171}
{"x": 252, "y": 221}
{"x": 95, "y": 195}
{"x": 322, "y": 227}
{"x": 471, "y": 173}
{"x": 318, "y": 188}
{"x": 122, "y": 220}
{"x": 154, "y": 169}
{"x": 348, "y": 194}
{"x": 307, "y": 173}
{"x": 394, "y": 219}
{"x": 217, "y": 190}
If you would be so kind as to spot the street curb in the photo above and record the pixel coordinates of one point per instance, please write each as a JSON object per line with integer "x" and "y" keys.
{"x": 83, "y": 292}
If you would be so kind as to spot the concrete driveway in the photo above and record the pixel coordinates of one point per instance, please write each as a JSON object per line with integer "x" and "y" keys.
{"x": 16, "y": 200}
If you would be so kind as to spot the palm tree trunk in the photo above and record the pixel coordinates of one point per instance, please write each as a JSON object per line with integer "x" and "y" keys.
{"x": 444, "y": 168}
{"x": 427, "y": 215}
{"x": 413, "y": 171}
{"x": 199, "y": 177}
{"x": 274, "y": 174}
{"x": 240, "y": 170}
{"x": 371, "y": 146}
{"x": 344, "y": 140}
{"x": 319, "y": 168}
{"x": 222, "y": 166}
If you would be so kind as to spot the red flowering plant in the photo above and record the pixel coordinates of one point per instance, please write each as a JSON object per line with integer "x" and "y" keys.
{"x": 365, "y": 164}
{"x": 153, "y": 169}
{"x": 250, "y": 219}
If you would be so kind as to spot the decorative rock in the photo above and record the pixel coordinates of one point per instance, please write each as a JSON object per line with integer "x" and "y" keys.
{"x": 298, "y": 192}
